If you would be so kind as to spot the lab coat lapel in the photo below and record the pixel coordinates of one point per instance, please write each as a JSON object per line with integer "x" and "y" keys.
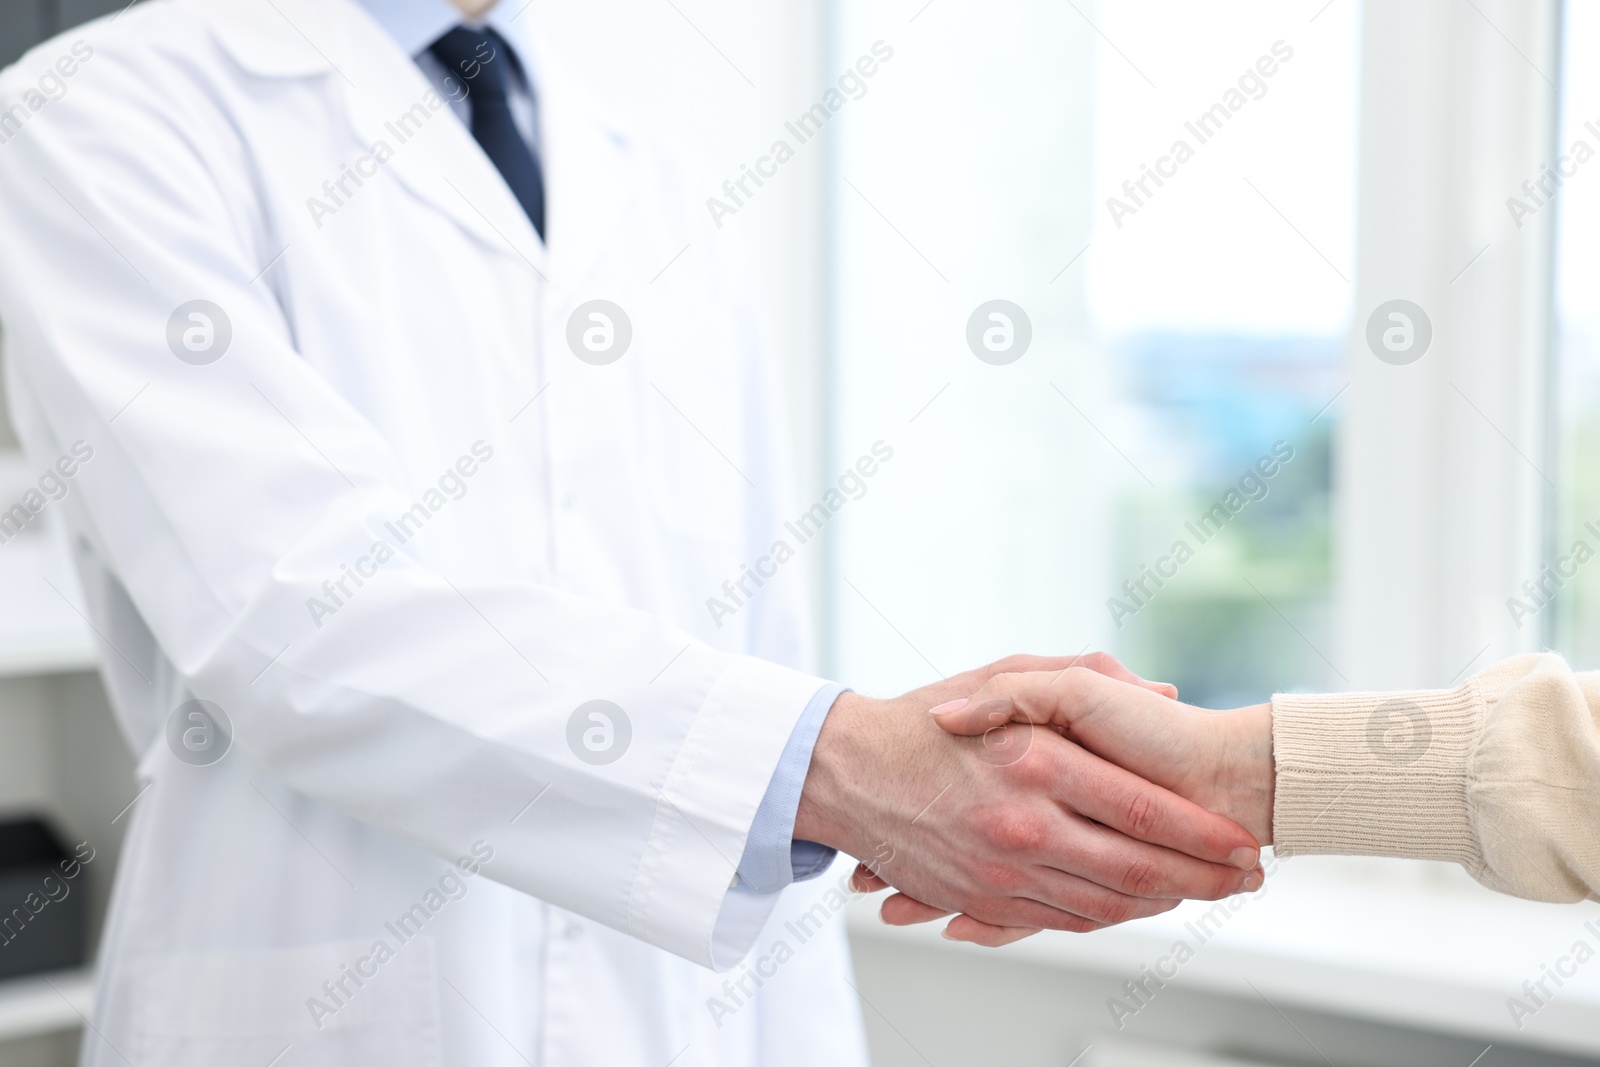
{"x": 387, "y": 100}
{"x": 439, "y": 163}
{"x": 589, "y": 172}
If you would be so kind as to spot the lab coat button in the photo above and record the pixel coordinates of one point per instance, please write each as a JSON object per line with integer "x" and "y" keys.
{"x": 574, "y": 931}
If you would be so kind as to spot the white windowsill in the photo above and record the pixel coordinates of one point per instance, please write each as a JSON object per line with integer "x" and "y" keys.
{"x": 1361, "y": 938}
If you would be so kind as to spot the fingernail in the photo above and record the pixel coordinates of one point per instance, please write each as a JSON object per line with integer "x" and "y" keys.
{"x": 946, "y": 934}
{"x": 1253, "y": 881}
{"x": 949, "y": 705}
{"x": 1245, "y": 858}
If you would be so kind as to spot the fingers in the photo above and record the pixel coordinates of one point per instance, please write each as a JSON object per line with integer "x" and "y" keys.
{"x": 966, "y": 928}
{"x": 1209, "y": 759}
{"x": 1165, "y": 689}
{"x": 1040, "y": 899}
{"x": 1053, "y": 888}
{"x": 1145, "y": 812}
{"x": 1025, "y": 912}
{"x": 1012, "y": 911}
{"x": 1044, "y": 698}
{"x": 1138, "y": 869}
{"x": 981, "y": 713}
{"x": 901, "y": 910}
{"x": 865, "y": 880}
{"x": 897, "y": 908}
{"x": 1099, "y": 662}
{"x": 1095, "y": 787}
{"x": 1103, "y": 663}
{"x": 1107, "y": 826}
{"x": 1092, "y": 900}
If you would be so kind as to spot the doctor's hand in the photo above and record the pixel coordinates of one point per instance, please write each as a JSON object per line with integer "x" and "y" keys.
{"x": 1015, "y": 827}
{"x": 1220, "y": 760}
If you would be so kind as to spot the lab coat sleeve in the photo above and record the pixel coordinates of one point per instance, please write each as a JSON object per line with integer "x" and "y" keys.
{"x": 224, "y": 496}
{"x": 1500, "y": 774}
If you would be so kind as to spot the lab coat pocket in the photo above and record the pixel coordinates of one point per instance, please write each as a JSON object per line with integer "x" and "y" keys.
{"x": 334, "y": 1004}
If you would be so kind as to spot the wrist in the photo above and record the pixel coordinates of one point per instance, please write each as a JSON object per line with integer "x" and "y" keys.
{"x": 1249, "y": 778}
{"x": 827, "y": 796}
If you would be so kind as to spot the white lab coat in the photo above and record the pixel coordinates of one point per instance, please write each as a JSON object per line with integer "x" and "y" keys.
{"x": 378, "y": 353}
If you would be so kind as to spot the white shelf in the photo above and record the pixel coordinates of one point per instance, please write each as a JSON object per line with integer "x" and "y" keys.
{"x": 41, "y": 649}
{"x": 1443, "y": 957}
{"x": 44, "y": 1004}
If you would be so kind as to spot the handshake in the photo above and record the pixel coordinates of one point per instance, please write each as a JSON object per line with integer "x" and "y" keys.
{"x": 1041, "y": 793}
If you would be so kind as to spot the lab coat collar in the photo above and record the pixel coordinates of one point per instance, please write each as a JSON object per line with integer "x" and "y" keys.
{"x": 267, "y": 40}
{"x": 584, "y": 150}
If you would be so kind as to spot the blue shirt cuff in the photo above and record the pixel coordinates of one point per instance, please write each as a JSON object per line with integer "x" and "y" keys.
{"x": 772, "y": 857}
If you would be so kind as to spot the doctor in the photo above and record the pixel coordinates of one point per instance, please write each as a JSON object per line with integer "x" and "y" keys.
{"x": 410, "y": 472}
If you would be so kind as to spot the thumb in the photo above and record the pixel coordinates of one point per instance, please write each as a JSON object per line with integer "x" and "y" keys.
{"x": 1166, "y": 689}
{"x": 1025, "y": 697}
{"x": 982, "y": 712}
{"x": 1108, "y": 665}
{"x": 1110, "y": 717}
{"x": 1156, "y": 738}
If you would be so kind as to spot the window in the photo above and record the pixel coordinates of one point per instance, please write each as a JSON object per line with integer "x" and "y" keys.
{"x": 1565, "y": 601}
{"x": 1132, "y": 449}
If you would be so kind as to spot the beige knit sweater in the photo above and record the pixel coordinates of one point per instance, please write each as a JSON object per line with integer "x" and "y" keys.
{"x": 1501, "y": 774}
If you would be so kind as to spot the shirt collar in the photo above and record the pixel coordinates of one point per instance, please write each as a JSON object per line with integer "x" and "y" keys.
{"x": 416, "y": 24}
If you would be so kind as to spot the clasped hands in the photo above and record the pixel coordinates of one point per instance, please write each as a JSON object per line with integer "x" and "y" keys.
{"x": 1041, "y": 793}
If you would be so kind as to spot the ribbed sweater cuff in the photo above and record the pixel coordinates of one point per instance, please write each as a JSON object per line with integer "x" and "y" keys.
{"x": 1376, "y": 774}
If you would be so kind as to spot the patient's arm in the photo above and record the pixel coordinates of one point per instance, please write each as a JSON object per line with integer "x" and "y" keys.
{"x": 1501, "y": 774}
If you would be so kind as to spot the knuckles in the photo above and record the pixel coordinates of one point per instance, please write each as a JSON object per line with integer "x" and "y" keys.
{"x": 1041, "y": 767}
{"x": 997, "y": 877}
{"x": 1013, "y": 829}
{"x": 1141, "y": 814}
{"x": 1112, "y": 909}
{"x": 1100, "y": 662}
{"x": 1075, "y": 924}
{"x": 1140, "y": 878}
{"x": 1226, "y": 884}
{"x": 1014, "y": 912}
{"x": 1078, "y": 924}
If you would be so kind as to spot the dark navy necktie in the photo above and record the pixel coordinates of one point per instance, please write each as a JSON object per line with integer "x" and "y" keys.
{"x": 482, "y": 61}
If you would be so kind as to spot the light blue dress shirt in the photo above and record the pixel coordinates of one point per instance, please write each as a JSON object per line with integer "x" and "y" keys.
{"x": 772, "y": 858}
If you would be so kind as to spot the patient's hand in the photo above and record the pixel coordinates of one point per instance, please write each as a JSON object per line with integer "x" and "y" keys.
{"x": 1219, "y": 760}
